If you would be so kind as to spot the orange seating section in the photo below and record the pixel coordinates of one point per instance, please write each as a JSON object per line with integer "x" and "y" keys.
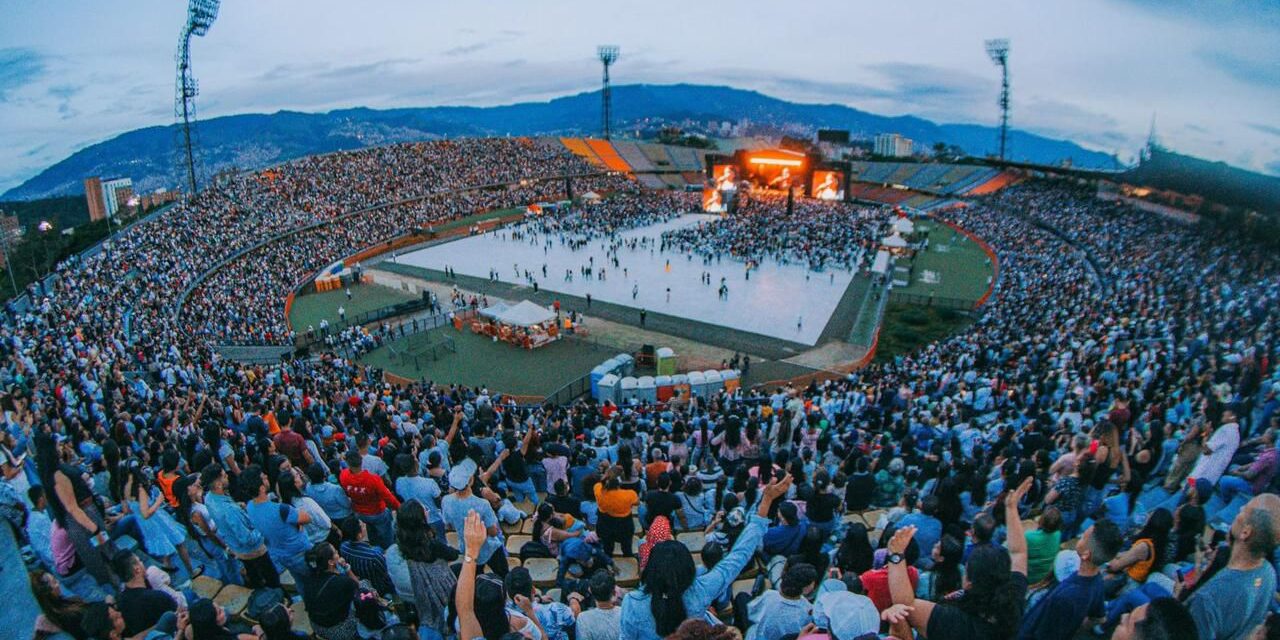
{"x": 608, "y": 154}
{"x": 579, "y": 147}
{"x": 996, "y": 183}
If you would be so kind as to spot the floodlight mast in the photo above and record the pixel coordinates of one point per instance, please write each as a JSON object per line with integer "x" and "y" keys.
{"x": 608, "y": 54}
{"x": 999, "y": 52}
{"x": 200, "y": 16}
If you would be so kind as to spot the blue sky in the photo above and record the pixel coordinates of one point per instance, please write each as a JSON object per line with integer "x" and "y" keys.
{"x": 74, "y": 72}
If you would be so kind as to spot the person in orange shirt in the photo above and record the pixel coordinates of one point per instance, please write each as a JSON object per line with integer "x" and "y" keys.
{"x": 614, "y": 524}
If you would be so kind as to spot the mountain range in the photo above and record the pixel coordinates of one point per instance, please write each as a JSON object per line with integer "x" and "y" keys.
{"x": 251, "y": 141}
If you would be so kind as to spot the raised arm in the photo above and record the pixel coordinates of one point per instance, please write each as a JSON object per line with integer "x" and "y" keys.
{"x": 904, "y": 598}
{"x": 524, "y": 444}
{"x": 493, "y": 468}
{"x": 473, "y": 536}
{"x": 453, "y": 428}
{"x": 1017, "y": 539}
{"x": 716, "y": 580}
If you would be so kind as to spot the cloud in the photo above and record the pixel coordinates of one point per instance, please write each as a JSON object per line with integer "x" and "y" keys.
{"x": 63, "y": 93}
{"x": 1265, "y": 13}
{"x": 1245, "y": 70}
{"x": 1265, "y": 128}
{"x": 19, "y": 66}
{"x": 467, "y": 49}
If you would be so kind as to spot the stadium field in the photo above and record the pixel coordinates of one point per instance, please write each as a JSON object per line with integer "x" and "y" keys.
{"x": 952, "y": 267}
{"x": 479, "y": 361}
{"x": 308, "y": 310}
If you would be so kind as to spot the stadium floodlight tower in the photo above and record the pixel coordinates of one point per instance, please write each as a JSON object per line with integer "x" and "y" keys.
{"x": 999, "y": 52}
{"x": 200, "y": 16}
{"x": 608, "y": 54}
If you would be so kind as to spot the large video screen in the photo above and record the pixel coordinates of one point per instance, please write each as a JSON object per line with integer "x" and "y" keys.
{"x": 725, "y": 177}
{"x": 777, "y": 169}
{"x": 715, "y": 200}
{"x": 828, "y": 185}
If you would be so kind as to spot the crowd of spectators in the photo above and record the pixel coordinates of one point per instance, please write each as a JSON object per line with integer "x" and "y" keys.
{"x": 1095, "y": 453}
{"x": 816, "y": 233}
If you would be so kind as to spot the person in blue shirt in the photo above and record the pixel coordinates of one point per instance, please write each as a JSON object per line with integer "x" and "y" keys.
{"x": 331, "y": 497}
{"x": 669, "y": 592}
{"x": 784, "y": 539}
{"x": 280, "y": 524}
{"x": 1063, "y": 611}
{"x": 928, "y": 529}
{"x": 236, "y": 530}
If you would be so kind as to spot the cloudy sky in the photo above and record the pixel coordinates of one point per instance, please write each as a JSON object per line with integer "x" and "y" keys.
{"x": 75, "y": 72}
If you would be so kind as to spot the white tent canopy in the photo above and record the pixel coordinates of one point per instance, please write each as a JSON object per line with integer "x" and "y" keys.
{"x": 522, "y": 314}
{"x": 904, "y": 226}
{"x": 495, "y": 310}
{"x": 591, "y": 196}
{"x": 881, "y": 264}
{"x": 894, "y": 241}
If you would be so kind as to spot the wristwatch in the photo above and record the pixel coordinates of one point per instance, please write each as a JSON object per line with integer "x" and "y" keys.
{"x": 468, "y": 559}
{"x": 895, "y": 558}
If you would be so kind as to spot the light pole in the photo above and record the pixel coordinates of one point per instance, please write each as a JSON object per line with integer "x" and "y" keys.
{"x": 999, "y": 52}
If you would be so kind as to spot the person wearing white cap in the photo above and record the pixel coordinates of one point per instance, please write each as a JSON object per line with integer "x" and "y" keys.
{"x": 845, "y": 615}
{"x": 461, "y": 501}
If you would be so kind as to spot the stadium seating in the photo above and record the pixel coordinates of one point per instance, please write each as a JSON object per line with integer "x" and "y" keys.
{"x": 996, "y": 183}
{"x": 581, "y": 148}
{"x": 608, "y": 154}
{"x": 633, "y": 155}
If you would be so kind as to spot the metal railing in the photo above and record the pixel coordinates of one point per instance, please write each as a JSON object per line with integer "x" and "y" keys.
{"x": 931, "y": 300}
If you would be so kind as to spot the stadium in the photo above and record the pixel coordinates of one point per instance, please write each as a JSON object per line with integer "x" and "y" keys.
{"x": 598, "y": 386}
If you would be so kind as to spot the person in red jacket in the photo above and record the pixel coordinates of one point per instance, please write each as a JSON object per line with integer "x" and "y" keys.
{"x": 371, "y": 500}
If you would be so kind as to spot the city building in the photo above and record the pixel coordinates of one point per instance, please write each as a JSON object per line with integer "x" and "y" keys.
{"x": 892, "y": 145}
{"x": 105, "y": 197}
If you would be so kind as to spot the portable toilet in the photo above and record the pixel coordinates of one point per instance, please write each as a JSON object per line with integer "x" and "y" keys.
{"x": 627, "y": 390}
{"x": 697, "y": 384}
{"x": 665, "y": 387}
{"x": 612, "y": 365}
{"x": 732, "y": 379}
{"x": 599, "y": 372}
{"x": 646, "y": 389}
{"x": 607, "y": 388}
{"x": 715, "y": 382}
{"x": 666, "y": 361}
{"x": 680, "y": 385}
{"x": 626, "y": 363}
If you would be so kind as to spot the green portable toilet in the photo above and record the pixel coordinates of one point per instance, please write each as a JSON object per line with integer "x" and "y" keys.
{"x": 666, "y": 361}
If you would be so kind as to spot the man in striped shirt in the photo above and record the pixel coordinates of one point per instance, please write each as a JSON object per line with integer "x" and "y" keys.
{"x": 366, "y": 560}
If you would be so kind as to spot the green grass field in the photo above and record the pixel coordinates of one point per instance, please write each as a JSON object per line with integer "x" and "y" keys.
{"x": 479, "y": 361}
{"x": 960, "y": 265}
{"x": 908, "y": 327}
{"x": 308, "y": 310}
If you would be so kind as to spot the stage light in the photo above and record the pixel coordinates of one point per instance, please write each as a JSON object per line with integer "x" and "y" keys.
{"x": 777, "y": 162}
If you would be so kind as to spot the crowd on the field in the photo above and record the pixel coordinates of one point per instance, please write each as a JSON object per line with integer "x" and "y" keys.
{"x": 1095, "y": 453}
{"x": 816, "y": 233}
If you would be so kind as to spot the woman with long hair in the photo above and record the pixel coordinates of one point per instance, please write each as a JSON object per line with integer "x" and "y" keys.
{"x": 614, "y": 524}
{"x": 670, "y": 590}
{"x": 855, "y": 555}
{"x": 164, "y": 536}
{"x": 1147, "y": 553}
{"x": 426, "y": 576}
{"x": 945, "y": 576}
{"x": 72, "y": 505}
{"x": 290, "y": 487}
{"x": 58, "y": 613}
{"x": 328, "y": 593}
{"x": 659, "y": 531}
{"x": 995, "y": 585}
